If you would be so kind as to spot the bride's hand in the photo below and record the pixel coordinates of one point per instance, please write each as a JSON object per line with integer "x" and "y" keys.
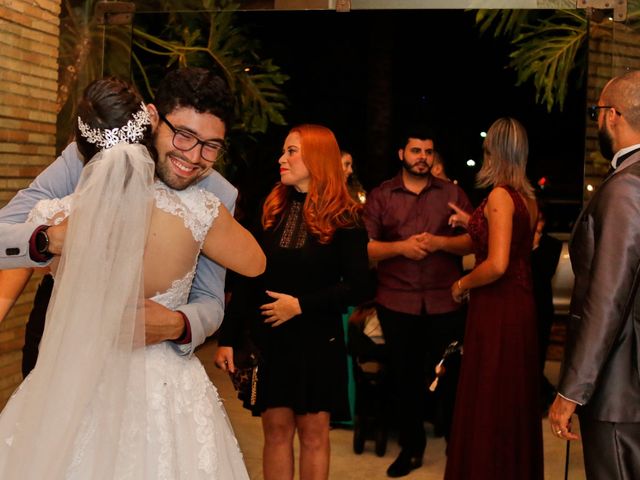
{"x": 284, "y": 308}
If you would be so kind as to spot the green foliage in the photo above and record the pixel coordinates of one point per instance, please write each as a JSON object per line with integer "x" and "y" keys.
{"x": 194, "y": 32}
{"x": 548, "y": 53}
{"x": 502, "y": 22}
{"x": 212, "y": 38}
{"x": 75, "y": 62}
{"x": 547, "y": 47}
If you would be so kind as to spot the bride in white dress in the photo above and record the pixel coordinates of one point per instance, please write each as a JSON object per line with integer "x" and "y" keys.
{"x": 99, "y": 404}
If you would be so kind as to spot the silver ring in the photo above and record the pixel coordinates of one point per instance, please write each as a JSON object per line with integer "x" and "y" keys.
{"x": 558, "y": 432}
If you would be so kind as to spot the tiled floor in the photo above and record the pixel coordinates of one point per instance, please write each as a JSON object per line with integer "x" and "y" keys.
{"x": 346, "y": 465}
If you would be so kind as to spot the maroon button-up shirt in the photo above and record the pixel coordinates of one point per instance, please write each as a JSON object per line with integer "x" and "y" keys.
{"x": 392, "y": 213}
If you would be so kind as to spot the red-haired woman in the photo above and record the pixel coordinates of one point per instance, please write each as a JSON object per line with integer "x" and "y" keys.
{"x": 317, "y": 265}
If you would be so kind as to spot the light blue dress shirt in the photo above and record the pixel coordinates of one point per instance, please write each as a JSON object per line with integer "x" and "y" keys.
{"x": 206, "y": 301}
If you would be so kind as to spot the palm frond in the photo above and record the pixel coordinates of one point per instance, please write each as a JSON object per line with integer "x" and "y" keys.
{"x": 547, "y": 53}
{"x": 214, "y": 39}
{"x": 501, "y": 22}
{"x": 546, "y": 47}
{"x": 633, "y": 8}
{"x": 197, "y": 32}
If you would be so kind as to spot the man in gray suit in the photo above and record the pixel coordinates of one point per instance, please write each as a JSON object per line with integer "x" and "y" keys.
{"x": 601, "y": 369}
{"x": 191, "y": 112}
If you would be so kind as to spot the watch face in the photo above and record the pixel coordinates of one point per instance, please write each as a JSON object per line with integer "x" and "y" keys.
{"x": 42, "y": 241}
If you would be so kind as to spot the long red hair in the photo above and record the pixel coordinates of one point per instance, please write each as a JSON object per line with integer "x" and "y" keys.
{"x": 328, "y": 205}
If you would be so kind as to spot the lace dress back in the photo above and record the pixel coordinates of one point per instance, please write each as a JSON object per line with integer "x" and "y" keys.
{"x": 188, "y": 434}
{"x": 179, "y": 224}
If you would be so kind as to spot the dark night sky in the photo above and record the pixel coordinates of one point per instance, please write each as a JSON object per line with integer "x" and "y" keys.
{"x": 442, "y": 71}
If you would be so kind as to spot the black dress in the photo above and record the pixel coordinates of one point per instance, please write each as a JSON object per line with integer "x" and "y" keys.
{"x": 303, "y": 362}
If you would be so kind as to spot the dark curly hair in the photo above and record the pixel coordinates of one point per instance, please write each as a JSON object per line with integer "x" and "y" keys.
{"x": 420, "y": 131}
{"x": 107, "y": 103}
{"x": 197, "y": 88}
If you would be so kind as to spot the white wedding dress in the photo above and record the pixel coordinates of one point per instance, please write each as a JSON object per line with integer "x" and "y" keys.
{"x": 175, "y": 426}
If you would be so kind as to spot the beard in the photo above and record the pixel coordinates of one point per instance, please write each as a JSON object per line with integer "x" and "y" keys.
{"x": 606, "y": 143}
{"x": 411, "y": 169}
{"x": 165, "y": 173}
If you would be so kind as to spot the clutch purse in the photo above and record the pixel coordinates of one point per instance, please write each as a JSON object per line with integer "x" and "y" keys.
{"x": 245, "y": 378}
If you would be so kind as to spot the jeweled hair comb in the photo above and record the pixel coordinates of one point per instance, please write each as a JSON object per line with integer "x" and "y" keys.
{"x": 105, "y": 138}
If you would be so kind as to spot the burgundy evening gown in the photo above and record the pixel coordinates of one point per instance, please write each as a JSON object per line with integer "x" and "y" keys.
{"x": 497, "y": 429}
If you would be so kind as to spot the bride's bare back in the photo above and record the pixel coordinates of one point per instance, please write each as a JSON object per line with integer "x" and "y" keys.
{"x": 182, "y": 224}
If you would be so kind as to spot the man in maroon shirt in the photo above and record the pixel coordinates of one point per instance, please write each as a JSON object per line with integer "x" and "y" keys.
{"x": 418, "y": 315}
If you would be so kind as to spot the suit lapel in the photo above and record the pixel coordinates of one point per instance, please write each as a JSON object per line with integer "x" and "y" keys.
{"x": 627, "y": 160}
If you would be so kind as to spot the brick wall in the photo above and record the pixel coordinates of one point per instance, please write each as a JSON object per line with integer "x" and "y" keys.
{"x": 613, "y": 49}
{"x": 29, "y": 38}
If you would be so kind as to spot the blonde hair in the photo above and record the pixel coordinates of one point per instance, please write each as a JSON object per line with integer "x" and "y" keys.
{"x": 506, "y": 149}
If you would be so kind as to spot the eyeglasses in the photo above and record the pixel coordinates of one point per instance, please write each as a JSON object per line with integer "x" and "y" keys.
{"x": 185, "y": 141}
{"x": 593, "y": 111}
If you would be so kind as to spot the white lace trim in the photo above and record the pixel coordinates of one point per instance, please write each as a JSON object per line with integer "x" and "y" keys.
{"x": 178, "y": 389}
{"x": 178, "y": 293}
{"x": 46, "y": 209}
{"x": 197, "y": 207}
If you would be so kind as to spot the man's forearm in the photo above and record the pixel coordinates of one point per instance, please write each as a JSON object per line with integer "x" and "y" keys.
{"x": 15, "y": 246}
{"x": 382, "y": 250}
{"x": 56, "y": 181}
{"x": 161, "y": 323}
{"x": 204, "y": 317}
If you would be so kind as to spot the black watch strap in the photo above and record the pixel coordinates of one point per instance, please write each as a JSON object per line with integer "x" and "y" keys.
{"x": 42, "y": 241}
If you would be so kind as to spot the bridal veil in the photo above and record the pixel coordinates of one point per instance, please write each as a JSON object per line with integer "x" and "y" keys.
{"x": 76, "y": 420}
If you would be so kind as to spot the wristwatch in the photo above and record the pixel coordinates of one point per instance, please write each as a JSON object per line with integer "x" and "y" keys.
{"x": 42, "y": 241}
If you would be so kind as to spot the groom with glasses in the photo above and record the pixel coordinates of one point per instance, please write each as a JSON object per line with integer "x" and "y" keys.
{"x": 185, "y": 141}
{"x": 197, "y": 109}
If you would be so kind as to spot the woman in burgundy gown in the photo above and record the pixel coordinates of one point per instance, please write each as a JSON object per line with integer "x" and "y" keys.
{"x": 497, "y": 431}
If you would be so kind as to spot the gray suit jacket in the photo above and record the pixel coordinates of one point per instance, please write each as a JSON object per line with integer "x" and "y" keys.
{"x": 602, "y": 354}
{"x": 206, "y": 301}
